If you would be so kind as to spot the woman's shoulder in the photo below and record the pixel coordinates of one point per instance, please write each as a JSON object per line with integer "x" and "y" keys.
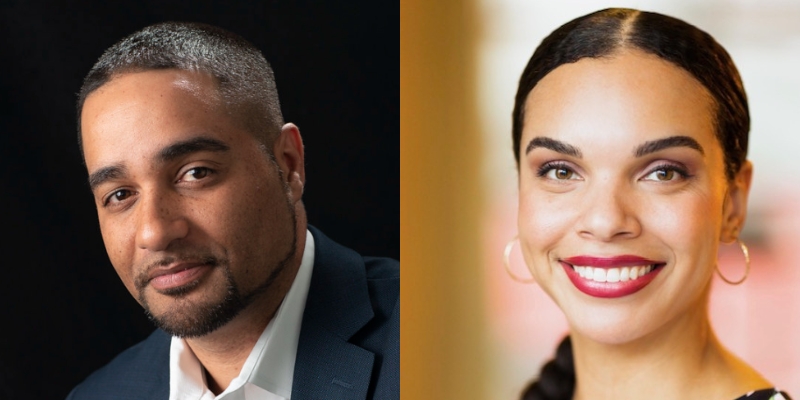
{"x": 765, "y": 394}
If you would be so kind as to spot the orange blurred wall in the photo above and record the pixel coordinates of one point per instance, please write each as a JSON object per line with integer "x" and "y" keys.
{"x": 442, "y": 310}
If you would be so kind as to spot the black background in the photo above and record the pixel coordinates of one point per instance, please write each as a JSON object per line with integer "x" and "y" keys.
{"x": 64, "y": 310}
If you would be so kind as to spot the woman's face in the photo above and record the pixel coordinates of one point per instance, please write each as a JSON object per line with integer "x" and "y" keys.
{"x": 623, "y": 195}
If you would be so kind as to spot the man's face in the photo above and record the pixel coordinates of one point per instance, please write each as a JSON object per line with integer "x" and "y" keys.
{"x": 197, "y": 220}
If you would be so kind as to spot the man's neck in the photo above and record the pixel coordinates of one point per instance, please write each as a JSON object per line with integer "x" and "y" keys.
{"x": 223, "y": 352}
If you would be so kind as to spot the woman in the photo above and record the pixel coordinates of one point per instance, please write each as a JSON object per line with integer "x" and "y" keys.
{"x": 630, "y": 132}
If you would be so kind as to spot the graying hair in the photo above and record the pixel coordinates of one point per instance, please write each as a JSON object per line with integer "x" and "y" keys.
{"x": 245, "y": 80}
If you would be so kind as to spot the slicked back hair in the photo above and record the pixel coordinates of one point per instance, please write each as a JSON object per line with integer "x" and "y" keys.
{"x": 244, "y": 78}
{"x": 606, "y": 32}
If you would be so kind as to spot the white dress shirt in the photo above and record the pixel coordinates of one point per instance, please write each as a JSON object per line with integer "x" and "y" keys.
{"x": 268, "y": 372}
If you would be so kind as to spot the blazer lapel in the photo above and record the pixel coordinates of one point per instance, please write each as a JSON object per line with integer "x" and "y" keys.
{"x": 338, "y": 306}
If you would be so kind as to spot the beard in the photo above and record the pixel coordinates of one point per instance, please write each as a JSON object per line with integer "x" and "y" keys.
{"x": 191, "y": 319}
{"x": 188, "y": 319}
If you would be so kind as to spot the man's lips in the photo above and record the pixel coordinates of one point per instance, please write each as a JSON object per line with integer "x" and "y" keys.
{"x": 176, "y": 275}
{"x": 610, "y": 262}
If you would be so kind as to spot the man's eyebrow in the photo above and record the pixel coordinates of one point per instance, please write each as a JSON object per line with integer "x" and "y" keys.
{"x": 672, "y": 141}
{"x": 180, "y": 149}
{"x": 104, "y": 174}
{"x": 555, "y": 145}
{"x": 167, "y": 154}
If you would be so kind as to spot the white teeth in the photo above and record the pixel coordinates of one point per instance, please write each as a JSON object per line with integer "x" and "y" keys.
{"x": 599, "y": 275}
{"x": 623, "y": 274}
{"x": 612, "y": 275}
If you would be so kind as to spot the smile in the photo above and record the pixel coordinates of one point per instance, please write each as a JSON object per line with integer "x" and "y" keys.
{"x": 610, "y": 277}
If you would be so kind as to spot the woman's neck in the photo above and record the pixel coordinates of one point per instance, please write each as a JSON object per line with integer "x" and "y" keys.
{"x": 682, "y": 360}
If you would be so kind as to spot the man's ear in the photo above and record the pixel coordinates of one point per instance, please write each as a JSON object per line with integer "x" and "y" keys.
{"x": 735, "y": 207}
{"x": 288, "y": 151}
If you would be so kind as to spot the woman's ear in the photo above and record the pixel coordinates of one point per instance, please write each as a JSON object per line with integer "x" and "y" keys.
{"x": 735, "y": 207}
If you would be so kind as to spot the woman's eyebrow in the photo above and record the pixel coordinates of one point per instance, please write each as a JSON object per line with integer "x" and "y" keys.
{"x": 643, "y": 150}
{"x": 672, "y": 141}
{"x": 555, "y": 145}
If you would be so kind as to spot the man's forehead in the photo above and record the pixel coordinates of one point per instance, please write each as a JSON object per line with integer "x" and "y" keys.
{"x": 138, "y": 114}
{"x": 158, "y": 82}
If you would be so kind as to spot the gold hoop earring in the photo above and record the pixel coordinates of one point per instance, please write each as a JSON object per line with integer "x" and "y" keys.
{"x": 746, "y": 253}
{"x": 506, "y": 255}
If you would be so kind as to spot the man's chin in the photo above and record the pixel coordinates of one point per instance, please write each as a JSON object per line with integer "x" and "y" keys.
{"x": 188, "y": 313}
{"x": 195, "y": 320}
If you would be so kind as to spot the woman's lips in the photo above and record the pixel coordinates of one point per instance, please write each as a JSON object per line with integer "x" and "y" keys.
{"x": 605, "y": 262}
{"x": 610, "y": 277}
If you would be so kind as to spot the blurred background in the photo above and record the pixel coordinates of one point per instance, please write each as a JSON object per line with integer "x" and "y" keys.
{"x": 468, "y": 330}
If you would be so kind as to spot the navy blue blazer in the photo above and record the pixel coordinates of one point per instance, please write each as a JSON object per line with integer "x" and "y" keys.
{"x": 349, "y": 345}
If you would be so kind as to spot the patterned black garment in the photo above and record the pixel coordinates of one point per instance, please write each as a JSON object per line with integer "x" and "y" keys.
{"x": 766, "y": 394}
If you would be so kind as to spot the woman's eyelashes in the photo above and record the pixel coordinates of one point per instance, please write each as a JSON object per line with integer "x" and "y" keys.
{"x": 666, "y": 172}
{"x": 663, "y": 172}
{"x": 557, "y": 170}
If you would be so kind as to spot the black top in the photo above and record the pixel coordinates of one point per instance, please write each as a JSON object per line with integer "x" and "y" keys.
{"x": 765, "y": 394}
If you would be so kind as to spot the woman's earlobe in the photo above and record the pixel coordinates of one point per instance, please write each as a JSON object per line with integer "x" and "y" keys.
{"x": 728, "y": 236}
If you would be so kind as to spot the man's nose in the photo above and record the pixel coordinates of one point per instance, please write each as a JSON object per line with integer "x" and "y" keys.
{"x": 160, "y": 221}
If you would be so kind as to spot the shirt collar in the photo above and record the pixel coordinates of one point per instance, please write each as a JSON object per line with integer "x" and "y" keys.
{"x": 270, "y": 365}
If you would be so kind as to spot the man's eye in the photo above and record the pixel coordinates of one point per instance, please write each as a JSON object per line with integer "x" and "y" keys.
{"x": 196, "y": 173}
{"x": 117, "y": 196}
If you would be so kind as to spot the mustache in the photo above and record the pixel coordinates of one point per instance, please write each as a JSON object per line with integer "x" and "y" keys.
{"x": 143, "y": 277}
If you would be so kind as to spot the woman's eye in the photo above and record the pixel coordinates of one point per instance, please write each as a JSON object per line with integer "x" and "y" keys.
{"x": 560, "y": 174}
{"x": 196, "y": 173}
{"x": 557, "y": 172}
{"x": 665, "y": 174}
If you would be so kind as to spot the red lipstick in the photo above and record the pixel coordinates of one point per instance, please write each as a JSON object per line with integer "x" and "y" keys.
{"x": 620, "y": 285}
{"x": 610, "y": 262}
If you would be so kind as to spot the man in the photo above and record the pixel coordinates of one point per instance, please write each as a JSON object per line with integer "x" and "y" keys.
{"x": 198, "y": 185}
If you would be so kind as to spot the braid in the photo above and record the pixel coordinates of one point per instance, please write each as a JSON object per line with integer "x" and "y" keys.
{"x": 557, "y": 378}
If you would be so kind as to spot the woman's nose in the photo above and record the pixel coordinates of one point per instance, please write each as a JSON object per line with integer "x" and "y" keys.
{"x": 609, "y": 212}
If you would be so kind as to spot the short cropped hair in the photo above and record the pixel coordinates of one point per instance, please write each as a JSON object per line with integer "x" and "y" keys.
{"x": 245, "y": 80}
